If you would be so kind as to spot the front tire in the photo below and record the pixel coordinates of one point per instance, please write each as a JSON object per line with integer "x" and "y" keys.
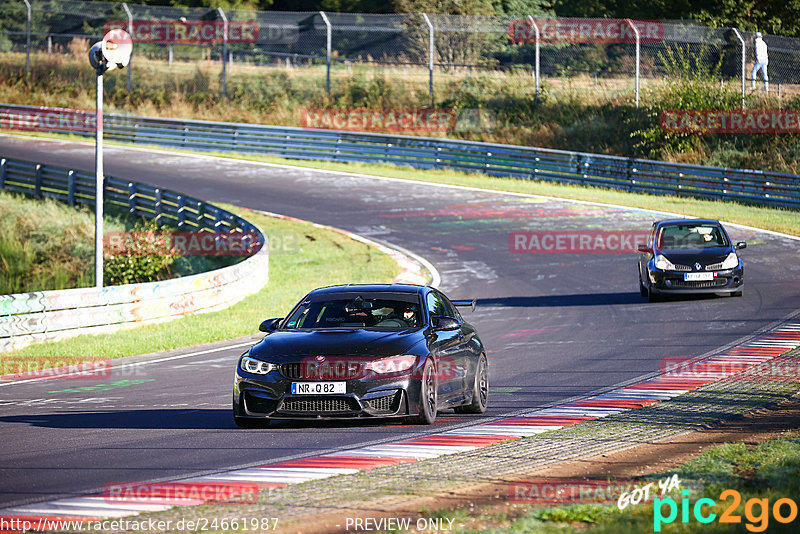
{"x": 642, "y": 289}
{"x": 480, "y": 389}
{"x": 652, "y": 296}
{"x": 428, "y": 396}
{"x": 249, "y": 422}
{"x": 246, "y": 422}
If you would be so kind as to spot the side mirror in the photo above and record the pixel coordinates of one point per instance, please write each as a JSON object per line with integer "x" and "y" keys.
{"x": 644, "y": 249}
{"x": 740, "y": 245}
{"x": 270, "y": 325}
{"x": 442, "y": 322}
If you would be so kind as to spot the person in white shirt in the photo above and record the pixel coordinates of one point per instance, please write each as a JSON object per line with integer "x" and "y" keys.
{"x": 761, "y": 61}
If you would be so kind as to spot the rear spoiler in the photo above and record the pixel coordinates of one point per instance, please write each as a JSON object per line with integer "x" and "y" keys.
{"x": 465, "y": 303}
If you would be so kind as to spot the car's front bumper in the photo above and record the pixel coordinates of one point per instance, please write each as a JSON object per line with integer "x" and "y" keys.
{"x": 674, "y": 283}
{"x": 269, "y": 396}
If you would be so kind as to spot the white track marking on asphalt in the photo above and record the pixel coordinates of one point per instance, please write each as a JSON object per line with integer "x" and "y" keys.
{"x": 142, "y": 363}
{"x": 406, "y": 181}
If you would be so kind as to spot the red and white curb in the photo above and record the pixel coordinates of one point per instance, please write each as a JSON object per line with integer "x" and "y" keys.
{"x": 154, "y": 497}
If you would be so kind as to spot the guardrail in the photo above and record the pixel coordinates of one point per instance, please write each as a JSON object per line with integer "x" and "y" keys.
{"x": 614, "y": 172}
{"x": 51, "y": 315}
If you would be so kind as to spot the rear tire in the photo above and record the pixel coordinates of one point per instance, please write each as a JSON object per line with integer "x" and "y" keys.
{"x": 428, "y": 396}
{"x": 480, "y": 389}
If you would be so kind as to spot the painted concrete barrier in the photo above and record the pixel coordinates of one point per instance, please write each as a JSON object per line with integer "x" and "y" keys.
{"x": 26, "y": 318}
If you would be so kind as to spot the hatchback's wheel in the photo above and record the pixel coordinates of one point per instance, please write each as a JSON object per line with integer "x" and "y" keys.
{"x": 428, "y": 396}
{"x": 642, "y": 289}
{"x": 480, "y": 390}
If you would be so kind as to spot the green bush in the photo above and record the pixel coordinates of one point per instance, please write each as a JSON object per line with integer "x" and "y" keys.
{"x": 144, "y": 260}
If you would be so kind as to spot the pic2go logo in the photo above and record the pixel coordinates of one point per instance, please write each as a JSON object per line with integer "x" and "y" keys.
{"x": 757, "y": 521}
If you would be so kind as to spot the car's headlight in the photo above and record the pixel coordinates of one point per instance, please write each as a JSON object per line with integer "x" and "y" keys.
{"x": 254, "y": 366}
{"x": 663, "y": 263}
{"x": 731, "y": 262}
{"x": 391, "y": 364}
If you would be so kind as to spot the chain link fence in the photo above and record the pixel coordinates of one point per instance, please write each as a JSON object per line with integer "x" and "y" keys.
{"x": 214, "y": 51}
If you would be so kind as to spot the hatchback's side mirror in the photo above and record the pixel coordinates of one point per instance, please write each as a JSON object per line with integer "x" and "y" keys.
{"x": 270, "y": 325}
{"x": 442, "y": 322}
{"x": 740, "y": 245}
{"x": 644, "y": 249}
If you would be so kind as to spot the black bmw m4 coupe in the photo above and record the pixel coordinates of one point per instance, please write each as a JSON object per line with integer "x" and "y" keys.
{"x": 363, "y": 351}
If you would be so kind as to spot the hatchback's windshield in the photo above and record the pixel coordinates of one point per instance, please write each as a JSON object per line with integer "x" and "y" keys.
{"x": 682, "y": 236}
{"x": 356, "y": 312}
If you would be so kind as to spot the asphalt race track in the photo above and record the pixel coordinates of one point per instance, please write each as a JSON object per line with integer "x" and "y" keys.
{"x": 556, "y": 325}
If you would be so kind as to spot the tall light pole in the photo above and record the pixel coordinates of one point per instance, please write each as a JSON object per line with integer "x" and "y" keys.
{"x": 114, "y": 51}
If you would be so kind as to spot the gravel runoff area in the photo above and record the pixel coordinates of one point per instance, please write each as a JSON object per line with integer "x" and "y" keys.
{"x": 301, "y": 506}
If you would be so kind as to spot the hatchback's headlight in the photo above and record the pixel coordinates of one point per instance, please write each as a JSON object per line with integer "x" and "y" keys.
{"x": 731, "y": 262}
{"x": 258, "y": 367}
{"x": 663, "y": 263}
{"x": 392, "y": 364}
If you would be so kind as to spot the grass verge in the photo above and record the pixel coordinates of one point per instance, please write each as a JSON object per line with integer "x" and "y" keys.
{"x": 320, "y": 257}
{"x": 762, "y": 474}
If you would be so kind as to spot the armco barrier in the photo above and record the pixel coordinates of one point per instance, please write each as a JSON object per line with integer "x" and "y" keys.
{"x": 51, "y": 315}
{"x": 627, "y": 174}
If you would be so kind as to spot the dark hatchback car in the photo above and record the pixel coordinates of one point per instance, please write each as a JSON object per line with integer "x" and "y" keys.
{"x": 689, "y": 256}
{"x": 363, "y": 351}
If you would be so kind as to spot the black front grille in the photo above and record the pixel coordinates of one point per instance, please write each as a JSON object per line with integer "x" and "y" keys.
{"x": 388, "y": 403}
{"x": 291, "y": 370}
{"x": 317, "y": 405}
{"x": 334, "y": 368}
{"x": 695, "y": 284}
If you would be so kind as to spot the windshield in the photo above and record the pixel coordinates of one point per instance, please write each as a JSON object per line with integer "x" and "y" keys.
{"x": 358, "y": 312}
{"x": 685, "y": 236}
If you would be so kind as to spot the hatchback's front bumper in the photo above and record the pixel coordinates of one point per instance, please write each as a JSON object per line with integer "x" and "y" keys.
{"x": 675, "y": 283}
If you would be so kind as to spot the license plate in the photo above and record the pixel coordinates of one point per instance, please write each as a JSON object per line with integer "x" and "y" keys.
{"x": 698, "y": 277}
{"x": 318, "y": 388}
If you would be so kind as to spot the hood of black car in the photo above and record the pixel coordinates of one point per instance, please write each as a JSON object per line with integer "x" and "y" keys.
{"x": 703, "y": 256}
{"x": 287, "y": 345}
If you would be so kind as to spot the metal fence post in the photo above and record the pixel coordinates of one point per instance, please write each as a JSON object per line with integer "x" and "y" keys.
{"x": 130, "y": 32}
{"x": 536, "y": 67}
{"x": 224, "y": 80}
{"x": 328, "y": 52}
{"x": 638, "y": 43}
{"x": 430, "y": 55}
{"x": 744, "y": 62}
{"x": 28, "y": 39}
